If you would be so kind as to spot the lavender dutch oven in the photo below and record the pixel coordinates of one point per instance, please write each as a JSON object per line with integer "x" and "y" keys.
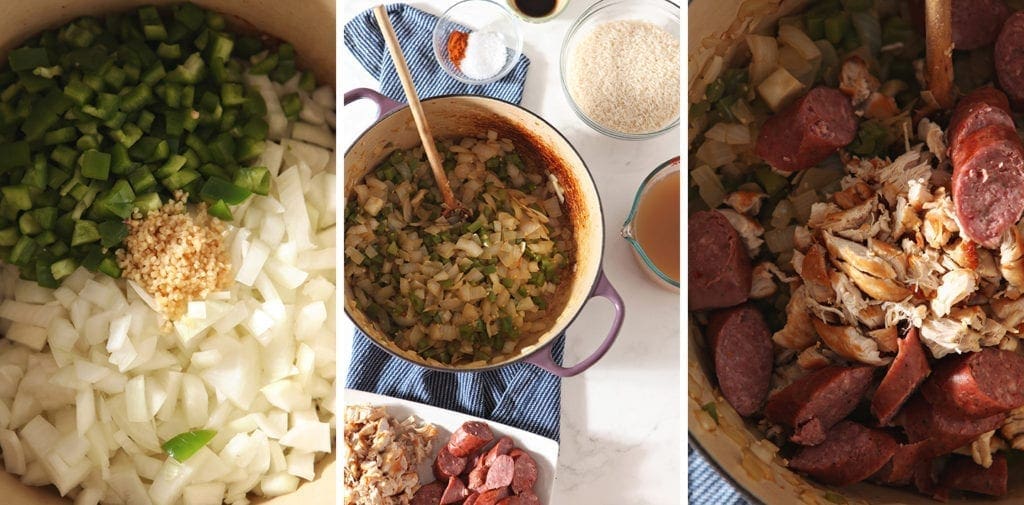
{"x": 540, "y": 145}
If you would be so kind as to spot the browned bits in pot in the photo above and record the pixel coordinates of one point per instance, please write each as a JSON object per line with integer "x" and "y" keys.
{"x": 174, "y": 256}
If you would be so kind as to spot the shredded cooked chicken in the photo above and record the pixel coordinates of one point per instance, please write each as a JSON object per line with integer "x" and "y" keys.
{"x": 886, "y": 251}
{"x": 382, "y": 454}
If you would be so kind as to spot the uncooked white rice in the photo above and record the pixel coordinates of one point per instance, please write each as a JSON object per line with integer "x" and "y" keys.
{"x": 624, "y": 75}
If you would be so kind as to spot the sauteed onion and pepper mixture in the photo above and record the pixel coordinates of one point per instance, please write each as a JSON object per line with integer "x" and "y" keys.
{"x": 461, "y": 292}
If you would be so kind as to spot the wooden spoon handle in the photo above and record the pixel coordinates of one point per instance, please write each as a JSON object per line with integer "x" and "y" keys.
{"x": 451, "y": 205}
{"x": 939, "y": 36}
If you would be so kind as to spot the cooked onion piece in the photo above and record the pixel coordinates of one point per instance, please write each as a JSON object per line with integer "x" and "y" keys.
{"x": 460, "y": 292}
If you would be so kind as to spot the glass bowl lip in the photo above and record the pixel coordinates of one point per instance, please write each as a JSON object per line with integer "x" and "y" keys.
{"x": 626, "y": 226}
{"x": 446, "y": 19}
{"x": 564, "y": 67}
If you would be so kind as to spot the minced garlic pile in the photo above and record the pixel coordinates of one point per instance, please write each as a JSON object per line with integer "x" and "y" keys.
{"x": 175, "y": 256}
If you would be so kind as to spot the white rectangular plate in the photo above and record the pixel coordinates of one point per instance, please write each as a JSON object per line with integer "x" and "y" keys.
{"x": 544, "y": 450}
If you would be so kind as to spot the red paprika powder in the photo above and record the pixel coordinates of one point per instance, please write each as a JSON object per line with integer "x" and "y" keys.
{"x": 457, "y": 46}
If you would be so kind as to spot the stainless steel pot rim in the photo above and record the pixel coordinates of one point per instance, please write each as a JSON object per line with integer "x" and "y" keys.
{"x": 593, "y": 282}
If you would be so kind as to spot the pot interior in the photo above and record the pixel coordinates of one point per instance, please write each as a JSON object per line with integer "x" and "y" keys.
{"x": 734, "y": 444}
{"x": 541, "y": 147}
{"x": 308, "y": 25}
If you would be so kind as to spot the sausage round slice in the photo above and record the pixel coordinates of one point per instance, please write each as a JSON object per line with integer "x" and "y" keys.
{"x": 501, "y": 472}
{"x": 524, "y": 474}
{"x": 964, "y": 474}
{"x": 477, "y": 480}
{"x": 741, "y": 346}
{"x": 429, "y": 494}
{"x": 808, "y": 130}
{"x": 502, "y": 446}
{"x": 943, "y": 429}
{"x": 447, "y": 464}
{"x": 976, "y": 22}
{"x": 818, "y": 400}
{"x": 988, "y": 183}
{"x": 982, "y": 107}
{"x": 978, "y": 384}
{"x": 492, "y": 496}
{"x": 907, "y": 371}
{"x": 471, "y": 499}
{"x": 527, "y": 498}
{"x": 850, "y": 453}
{"x": 455, "y": 491}
{"x": 1008, "y": 54}
{"x": 719, "y": 267}
{"x": 469, "y": 438}
{"x": 899, "y": 471}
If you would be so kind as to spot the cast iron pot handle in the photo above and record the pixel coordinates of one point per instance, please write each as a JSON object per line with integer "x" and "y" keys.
{"x": 542, "y": 357}
{"x": 385, "y": 105}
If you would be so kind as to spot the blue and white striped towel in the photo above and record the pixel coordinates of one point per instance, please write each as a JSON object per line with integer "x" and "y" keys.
{"x": 413, "y": 28}
{"x": 706, "y": 486}
{"x": 518, "y": 395}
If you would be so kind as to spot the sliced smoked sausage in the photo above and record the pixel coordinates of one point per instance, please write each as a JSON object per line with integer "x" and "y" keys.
{"x": 471, "y": 499}
{"x": 429, "y": 494}
{"x": 469, "y": 438}
{"x": 975, "y": 22}
{"x": 741, "y": 346}
{"x": 808, "y": 130}
{"x": 502, "y": 446}
{"x": 524, "y": 474}
{"x": 1008, "y": 54}
{"x": 988, "y": 183}
{"x": 492, "y": 496}
{"x": 501, "y": 472}
{"x": 528, "y": 498}
{"x": 964, "y": 474}
{"x": 455, "y": 492}
{"x": 982, "y": 107}
{"x": 907, "y": 371}
{"x": 943, "y": 429}
{"x": 719, "y": 267}
{"x": 850, "y": 453}
{"x": 818, "y": 400}
{"x": 477, "y": 480}
{"x": 447, "y": 464}
{"x": 978, "y": 384}
{"x": 899, "y": 471}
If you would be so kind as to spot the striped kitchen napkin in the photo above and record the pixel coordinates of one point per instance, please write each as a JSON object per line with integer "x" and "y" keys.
{"x": 706, "y": 486}
{"x": 414, "y": 28}
{"x": 518, "y": 395}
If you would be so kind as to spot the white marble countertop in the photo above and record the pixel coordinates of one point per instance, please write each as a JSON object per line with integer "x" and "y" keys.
{"x": 621, "y": 424}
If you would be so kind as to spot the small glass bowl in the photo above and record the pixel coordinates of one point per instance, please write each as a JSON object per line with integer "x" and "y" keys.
{"x": 559, "y": 7}
{"x": 662, "y": 13}
{"x": 477, "y": 15}
{"x": 629, "y": 227}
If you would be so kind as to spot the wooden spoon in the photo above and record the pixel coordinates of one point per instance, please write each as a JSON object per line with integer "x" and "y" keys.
{"x": 939, "y": 38}
{"x": 452, "y": 207}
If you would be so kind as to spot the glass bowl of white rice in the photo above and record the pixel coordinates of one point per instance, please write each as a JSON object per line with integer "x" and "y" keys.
{"x": 494, "y": 41}
{"x": 620, "y": 67}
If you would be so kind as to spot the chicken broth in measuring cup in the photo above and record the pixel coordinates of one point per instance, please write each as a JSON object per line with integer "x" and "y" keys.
{"x": 653, "y": 225}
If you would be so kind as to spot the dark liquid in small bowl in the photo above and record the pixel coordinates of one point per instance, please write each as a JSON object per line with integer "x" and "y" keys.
{"x": 536, "y": 8}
